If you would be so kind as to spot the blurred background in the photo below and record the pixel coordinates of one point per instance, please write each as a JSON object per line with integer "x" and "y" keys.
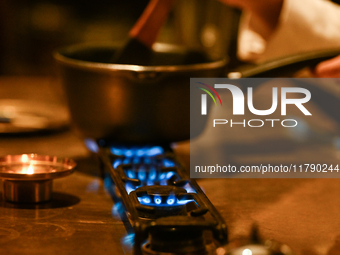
{"x": 31, "y": 29}
{"x": 31, "y": 95}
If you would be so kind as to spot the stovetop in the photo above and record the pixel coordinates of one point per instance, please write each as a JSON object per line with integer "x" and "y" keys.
{"x": 167, "y": 212}
{"x": 302, "y": 213}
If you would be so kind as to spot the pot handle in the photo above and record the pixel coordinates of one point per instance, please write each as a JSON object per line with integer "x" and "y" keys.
{"x": 286, "y": 67}
{"x": 283, "y": 67}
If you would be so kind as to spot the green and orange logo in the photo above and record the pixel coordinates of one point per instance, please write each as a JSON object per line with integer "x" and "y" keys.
{"x": 209, "y": 93}
{"x": 204, "y": 97}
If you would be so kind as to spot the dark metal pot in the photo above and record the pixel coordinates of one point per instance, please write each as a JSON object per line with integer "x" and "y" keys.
{"x": 130, "y": 103}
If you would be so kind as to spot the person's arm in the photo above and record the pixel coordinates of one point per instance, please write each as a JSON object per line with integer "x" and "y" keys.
{"x": 302, "y": 26}
{"x": 267, "y": 12}
{"x": 328, "y": 69}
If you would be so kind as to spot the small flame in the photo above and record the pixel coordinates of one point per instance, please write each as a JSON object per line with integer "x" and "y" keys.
{"x": 129, "y": 187}
{"x": 171, "y": 199}
{"x": 30, "y": 169}
{"x": 158, "y": 200}
{"x": 141, "y": 174}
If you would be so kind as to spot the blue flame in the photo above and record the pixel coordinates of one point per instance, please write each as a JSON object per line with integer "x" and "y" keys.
{"x": 150, "y": 177}
{"x": 144, "y": 200}
{"x": 188, "y": 188}
{"x": 127, "y": 161}
{"x": 128, "y": 241}
{"x": 136, "y": 160}
{"x": 154, "y": 151}
{"x": 128, "y": 153}
{"x": 164, "y": 182}
{"x": 107, "y": 182}
{"x": 168, "y": 163}
{"x": 131, "y": 174}
{"x": 117, "y": 209}
{"x": 116, "y": 163}
{"x": 146, "y": 167}
{"x": 184, "y": 201}
{"x": 129, "y": 187}
{"x": 162, "y": 176}
{"x": 152, "y": 173}
{"x": 141, "y": 152}
{"x": 171, "y": 199}
{"x": 147, "y": 160}
{"x": 141, "y": 174}
{"x": 117, "y": 151}
{"x": 91, "y": 145}
{"x": 169, "y": 175}
{"x": 158, "y": 200}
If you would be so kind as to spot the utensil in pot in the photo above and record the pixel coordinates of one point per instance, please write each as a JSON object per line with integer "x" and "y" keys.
{"x": 138, "y": 49}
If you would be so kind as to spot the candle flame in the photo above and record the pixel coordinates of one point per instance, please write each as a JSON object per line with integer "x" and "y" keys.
{"x": 30, "y": 169}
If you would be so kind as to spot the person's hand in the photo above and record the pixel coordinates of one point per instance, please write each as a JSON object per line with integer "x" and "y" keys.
{"x": 328, "y": 69}
{"x": 267, "y": 11}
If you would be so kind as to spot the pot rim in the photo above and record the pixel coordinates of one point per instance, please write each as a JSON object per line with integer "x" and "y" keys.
{"x": 109, "y": 67}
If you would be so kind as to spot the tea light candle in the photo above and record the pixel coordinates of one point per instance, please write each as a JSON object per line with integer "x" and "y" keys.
{"x": 27, "y": 178}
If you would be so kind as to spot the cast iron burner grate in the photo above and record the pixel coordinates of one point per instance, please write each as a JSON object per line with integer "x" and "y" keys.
{"x": 168, "y": 211}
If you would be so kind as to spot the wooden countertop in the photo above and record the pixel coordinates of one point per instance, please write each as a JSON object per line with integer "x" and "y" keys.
{"x": 303, "y": 213}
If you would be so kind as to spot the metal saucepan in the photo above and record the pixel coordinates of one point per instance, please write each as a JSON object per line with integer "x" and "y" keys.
{"x": 130, "y": 103}
{"x": 148, "y": 104}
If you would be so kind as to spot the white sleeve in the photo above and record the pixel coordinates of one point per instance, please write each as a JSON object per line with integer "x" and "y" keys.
{"x": 304, "y": 25}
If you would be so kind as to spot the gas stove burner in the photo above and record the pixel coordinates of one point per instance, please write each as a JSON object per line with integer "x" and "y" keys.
{"x": 146, "y": 156}
{"x": 141, "y": 151}
{"x": 159, "y": 201}
{"x": 141, "y": 175}
{"x": 151, "y": 177}
{"x": 163, "y": 205}
{"x": 147, "y": 166}
{"x": 160, "y": 195}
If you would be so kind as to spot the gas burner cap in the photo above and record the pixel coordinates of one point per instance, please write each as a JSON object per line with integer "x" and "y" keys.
{"x": 160, "y": 196}
{"x": 27, "y": 178}
{"x": 159, "y": 201}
